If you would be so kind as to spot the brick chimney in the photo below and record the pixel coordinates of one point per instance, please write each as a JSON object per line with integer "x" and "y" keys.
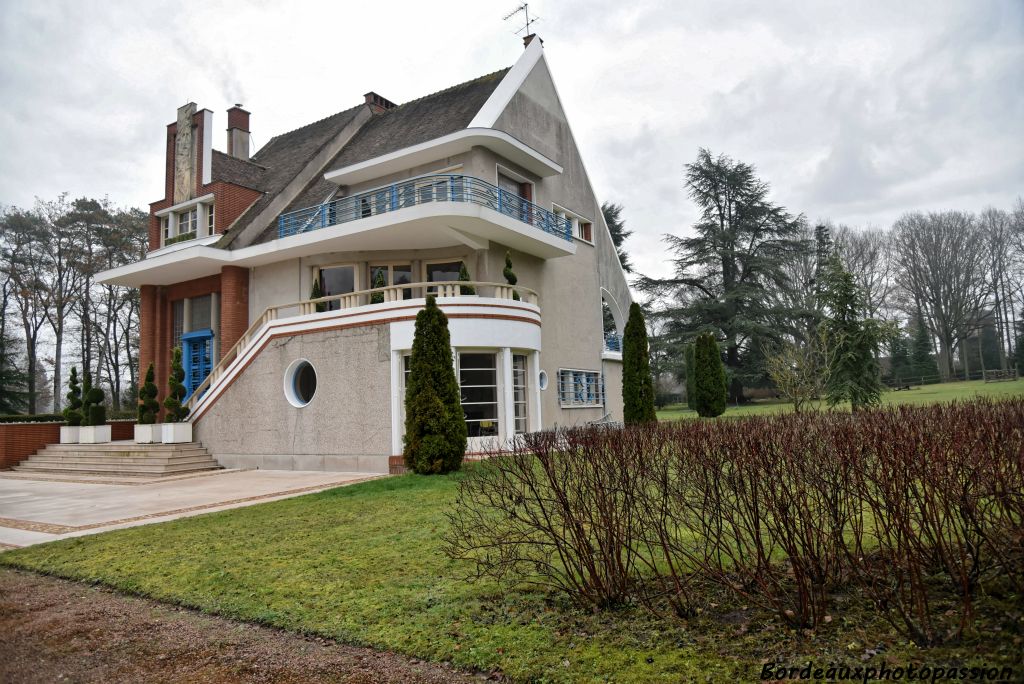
{"x": 377, "y": 103}
{"x": 238, "y": 132}
{"x": 529, "y": 39}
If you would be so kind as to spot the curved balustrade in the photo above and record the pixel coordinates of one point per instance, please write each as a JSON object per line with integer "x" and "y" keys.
{"x": 352, "y": 300}
{"x": 423, "y": 190}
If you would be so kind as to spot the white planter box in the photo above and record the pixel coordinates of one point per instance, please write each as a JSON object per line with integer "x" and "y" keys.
{"x": 177, "y": 433}
{"x": 69, "y": 434}
{"x": 94, "y": 434}
{"x": 147, "y": 434}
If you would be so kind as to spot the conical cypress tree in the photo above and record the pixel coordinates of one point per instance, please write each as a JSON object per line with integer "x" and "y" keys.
{"x": 148, "y": 405}
{"x": 510, "y": 275}
{"x": 464, "y": 278}
{"x": 378, "y": 281}
{"x": 435, "y": 426}
{"x": 710, "y": 390}
{"x": 637, "y": 385}
{"x": 176, "y": 413}
{"x": 1018, "y": 345}
{"x": 316, "y": 293}
{"x": 691, "y": 376}
{"x": 73, "y": 411}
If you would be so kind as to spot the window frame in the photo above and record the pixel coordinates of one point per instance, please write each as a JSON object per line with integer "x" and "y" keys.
{"x": 599, "y": 394}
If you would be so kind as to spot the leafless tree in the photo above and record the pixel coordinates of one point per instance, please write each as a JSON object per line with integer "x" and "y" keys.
{"x": 997, "y": 227}
{"x": 867, "y": 254}
{"x": 942, "y": 260}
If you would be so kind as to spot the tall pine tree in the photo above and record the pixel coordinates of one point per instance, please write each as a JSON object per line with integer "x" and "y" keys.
{"x": 637, "y": 384}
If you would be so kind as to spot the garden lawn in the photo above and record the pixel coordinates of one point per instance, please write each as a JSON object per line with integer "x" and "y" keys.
{"x": 927, "y": 394}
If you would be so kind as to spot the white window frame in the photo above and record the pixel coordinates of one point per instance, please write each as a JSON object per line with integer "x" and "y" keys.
{"x": 577, "y": 221}
{"x": 571, "y": 401}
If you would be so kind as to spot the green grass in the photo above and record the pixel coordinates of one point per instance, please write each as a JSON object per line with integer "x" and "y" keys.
{"x": 928, "y": 394}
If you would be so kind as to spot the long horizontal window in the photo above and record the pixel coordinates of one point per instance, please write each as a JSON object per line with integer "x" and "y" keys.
{"x": 578, "y": 388}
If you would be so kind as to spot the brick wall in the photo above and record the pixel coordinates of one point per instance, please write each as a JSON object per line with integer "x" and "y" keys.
{"x": 234, "y": 305}
{"x": 18, "y": 441}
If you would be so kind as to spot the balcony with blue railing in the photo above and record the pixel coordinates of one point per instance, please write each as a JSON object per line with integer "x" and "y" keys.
{"x": 612, "y": 342}
{"x": 421, "y": 191}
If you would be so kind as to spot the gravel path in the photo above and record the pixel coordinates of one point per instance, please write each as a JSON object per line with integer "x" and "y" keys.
{"x": 52, "y": 630}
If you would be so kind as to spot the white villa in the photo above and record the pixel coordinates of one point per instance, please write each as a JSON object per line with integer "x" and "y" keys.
{"x": 376, "y": 207}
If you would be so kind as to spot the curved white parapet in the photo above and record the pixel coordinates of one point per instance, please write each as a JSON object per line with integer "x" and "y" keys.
{"x": 483, "y": 322}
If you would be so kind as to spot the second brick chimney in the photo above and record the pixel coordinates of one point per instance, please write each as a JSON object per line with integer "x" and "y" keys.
{"x": 238, "y": 132}
{"x": 378, "y": 103}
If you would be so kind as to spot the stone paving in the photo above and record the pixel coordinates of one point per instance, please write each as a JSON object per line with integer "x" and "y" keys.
{"x": 37, "y": 510}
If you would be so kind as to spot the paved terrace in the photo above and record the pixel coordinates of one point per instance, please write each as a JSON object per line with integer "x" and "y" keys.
{"x": 40, "y": 508}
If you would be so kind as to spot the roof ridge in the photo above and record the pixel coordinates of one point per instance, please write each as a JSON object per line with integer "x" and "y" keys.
{"x": 239, "y": 159}
{"x": 311, "y": 123}
{"x": 452, "y": 87}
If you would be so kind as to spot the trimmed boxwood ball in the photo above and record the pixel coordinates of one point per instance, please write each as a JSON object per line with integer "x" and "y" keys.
{"x": 435, "y": 427}
{"x": 73, "y": 411}
{"x": 637, "y": 385}
{"x": 176, "y": 413}
{"x": 93, "y": 410}
{"x": 710, "y": 390}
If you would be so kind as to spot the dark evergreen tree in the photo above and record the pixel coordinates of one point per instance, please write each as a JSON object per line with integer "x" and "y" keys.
{"x": 378, "y": 281}
{"x": 637, "y": 384}
{"x": 464, "y": 278}
{"x": 13, "y": 379}
{"x": 73, "y": 410}
{"x": 149, "y": 407}
{"x": 901, "y": 368}
{"x": 727, "y": 275}
{"x": 176, "y": 412}
{"x": 853, "y": 373}
{"x": 1018, "y": 345}
{"x": 691, "y": 376}
{"x": 317, "y": 293}
{"x": 93, "y": 410}
{"x": 924, "y": 364}
{"x": 435, "y": 426}
{"x": 709, "y": 383}
{"x": 617, "y": 227}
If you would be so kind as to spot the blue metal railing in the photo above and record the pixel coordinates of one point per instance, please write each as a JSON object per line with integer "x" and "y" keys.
{"x": 612, "y": 342}
{"x": 410, "y": 193}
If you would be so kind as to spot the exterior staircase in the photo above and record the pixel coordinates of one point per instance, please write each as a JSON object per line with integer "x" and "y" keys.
{"x": 119, "y": 459}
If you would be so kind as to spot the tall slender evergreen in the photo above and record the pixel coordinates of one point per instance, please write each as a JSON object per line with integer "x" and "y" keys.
{"x": 637, "y": 385}
{"x": 921, "y": 358}
{"x": 710, "y": 389}
{"x": 691, "y": 376}
{"x": 435, "y": 426}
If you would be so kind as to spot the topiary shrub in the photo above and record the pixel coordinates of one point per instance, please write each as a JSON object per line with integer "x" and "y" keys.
{"x": 149, "y": 407}
{"x": 93, "y": 410}
{"x": 378, "y": 281}
{"x": 637, "y": 385}
{"x": 464, "y": 278}
{"x": 710, "y": 390}
{"x": 317, "y": 293}
{"x": 435, "y": 426}
{"x": 510, "y": 275}
{"x": 73, "y": 411}
{"x": 176, "y": 412}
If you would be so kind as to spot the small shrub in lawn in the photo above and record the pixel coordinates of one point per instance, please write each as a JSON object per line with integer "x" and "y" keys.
{"x": 918, "y": 510}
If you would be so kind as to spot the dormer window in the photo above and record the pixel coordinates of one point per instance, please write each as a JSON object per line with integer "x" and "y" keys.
{"x": 209, "y": 220}
{"x": 188, "y": 221}
{"x": 582, "y": 228}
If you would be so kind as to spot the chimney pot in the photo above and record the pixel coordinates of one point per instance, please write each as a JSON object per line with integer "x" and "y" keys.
{"x": 529, "y": 39}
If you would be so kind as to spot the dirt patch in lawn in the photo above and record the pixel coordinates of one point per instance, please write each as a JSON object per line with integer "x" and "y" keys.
{"x": 54, "y": 630}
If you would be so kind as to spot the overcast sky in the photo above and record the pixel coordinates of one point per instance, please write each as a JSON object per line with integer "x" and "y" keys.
{"x": 853, "y": 111}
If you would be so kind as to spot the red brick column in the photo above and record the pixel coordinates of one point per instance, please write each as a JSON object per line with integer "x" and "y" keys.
{"x": 147, "y": 329}
{"x": 234, "y": 305}
{"x": 162, "y": 342}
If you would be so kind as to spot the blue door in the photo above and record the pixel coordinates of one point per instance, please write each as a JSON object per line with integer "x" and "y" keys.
{"x": 196, "y": 357}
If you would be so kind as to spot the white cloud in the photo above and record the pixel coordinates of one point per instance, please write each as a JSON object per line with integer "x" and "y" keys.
{"x": 853, "y": 111}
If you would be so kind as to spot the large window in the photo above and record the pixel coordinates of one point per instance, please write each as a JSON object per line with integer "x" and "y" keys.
{"x": 200, "y": 312}
{"x": 478, "y": 383}
{"x": 580, "y": 388}
{"x": 177, "y": 322}
{"x": 187, "y": 221}
{"x": 442, "y": 273}
{"x": 392, "y": 274}
{"x": 519, "y": 392}
{"x": 337, "y": 280}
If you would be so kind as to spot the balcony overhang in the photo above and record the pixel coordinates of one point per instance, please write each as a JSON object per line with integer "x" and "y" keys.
{"x": 424, "y": 226}
{"x": 499, "y": 142}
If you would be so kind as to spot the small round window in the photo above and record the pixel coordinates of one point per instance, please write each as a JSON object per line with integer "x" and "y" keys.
{"x": 300, "y": 383}
{"x": 543, "y": 380}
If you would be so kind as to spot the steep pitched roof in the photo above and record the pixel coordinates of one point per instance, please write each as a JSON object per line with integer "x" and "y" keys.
{"x": 238, "y": 171}
{"x": 409, "y": 124}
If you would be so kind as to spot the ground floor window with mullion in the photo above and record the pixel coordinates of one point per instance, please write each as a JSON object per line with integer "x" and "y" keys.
{"x": 519, "y": 392}
{"x": 478, "y": 384}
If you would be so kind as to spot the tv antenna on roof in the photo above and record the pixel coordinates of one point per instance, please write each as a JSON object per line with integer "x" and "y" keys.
{"x": 525, "y": 9}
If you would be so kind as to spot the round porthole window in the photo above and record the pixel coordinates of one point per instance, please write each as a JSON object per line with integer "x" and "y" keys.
{"x": 542, "y": 380}
{"x": 299, "y": 383}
